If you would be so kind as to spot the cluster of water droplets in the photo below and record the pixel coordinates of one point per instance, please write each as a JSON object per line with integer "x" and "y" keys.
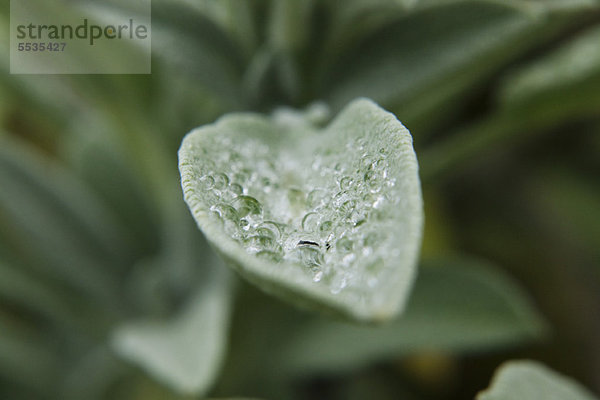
{"x": 324, "y": 208}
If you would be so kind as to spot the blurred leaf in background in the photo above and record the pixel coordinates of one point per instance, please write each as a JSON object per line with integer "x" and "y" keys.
{"x": 531, "y": 380}
{"x": 109, "y": 291}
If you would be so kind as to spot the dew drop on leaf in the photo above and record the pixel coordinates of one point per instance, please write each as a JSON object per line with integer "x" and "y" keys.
{"x": 247, "y": 205}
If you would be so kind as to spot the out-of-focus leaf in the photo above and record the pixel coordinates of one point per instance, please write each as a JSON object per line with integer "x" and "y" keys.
{"x": 457, "y": 305}
{"x": 91, "y": 375}
{"x": 329, "y": 219}
{"x": 95, "y": 153}
{"x": 561, "y": 86}
{"x": 569, "y": 207}
{"x": 161, "y": 281}
{"x": 290, "y": 24}
{"x": 533, "y": 381}
{"x": 36, "y": 94}
{"x": 87, "y": 59}
{"x": 184, "y": 353}
{"x": 193, "y": 44}
{"x": 422, "y": 59}
{"x": 26, "y": 357}
{"x": 232, "y": 16}
{"x": 577, "y": 202}
{"x": 420, "y": 50}
{"x": 373, "y": 384}
{"x": 179, "y": 103}
{"x": 56, "y": 225}
{"x": 271, "y": 79}
{"x": 564, "y": 83}
{"x": 18, "y": 288}
{"x": 183, "y": 38}
{"x": 353, "y": 19}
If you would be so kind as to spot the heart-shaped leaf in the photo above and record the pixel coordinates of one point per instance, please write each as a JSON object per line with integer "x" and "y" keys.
{"x": 531, "y": 380}
{"x": 329, "y": 218}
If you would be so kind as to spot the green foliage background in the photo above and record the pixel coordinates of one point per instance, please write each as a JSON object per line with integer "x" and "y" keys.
{"x": 109, "y": 291}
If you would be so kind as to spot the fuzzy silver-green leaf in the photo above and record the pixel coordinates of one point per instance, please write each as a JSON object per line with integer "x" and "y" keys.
{"x": 326, "y": 218}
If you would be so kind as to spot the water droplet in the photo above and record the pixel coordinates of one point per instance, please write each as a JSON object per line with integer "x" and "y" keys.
{"x": 318, "y": 276}
{"x": 365, "y": 162}
{"x": 347, "y": 207}
{"x": 340, "y": 198}
{"x": 229, "y": 217}
{"x": 221, "y": 181}
{"x": 358, "y": 216}
{"x": 272, "y": 227}
{"x": 310, "y": 222}
{"x": 207, "y": 182}
{"x": 257, "y": 243}
{"x": 325, "y": 227}
{"x": 246, "y": 205}
{"x": 266, "y": 232}
{"x": 373, "y": 180}
{"x": 316, "y": 198}
{"x": 225, "y": 212}
{"x": 236, "y": 189}
{"x": 346, "y": 182}
{"x": 309, "y": 255}
{"x": 379, "y": 164}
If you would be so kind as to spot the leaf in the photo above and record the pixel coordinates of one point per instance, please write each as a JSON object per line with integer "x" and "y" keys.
{"x": 550, "y": 91}
{"x": 289, "y": 24}
{"x": 26, "y": 357}
{"x": 190, "y": 43}
{"x": 271, "y": 76}
{"x": 184, "y": 353}
{"x": 329, "y": 219}
{"x": 91, "y": 374}
{"x": 234, "y": 17}
{"x": 56, "y": 226}
{"x": 420, "y": 60}
{"x": 87, "y": 59}
{"x": 458, "y": 305}
{"x": 531, "y": 380}
{"x": 17, "y": 287}
{"x": 565, "y": 83}
{"x": 572, "y": 200}
{"x": 92, "y": 143}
